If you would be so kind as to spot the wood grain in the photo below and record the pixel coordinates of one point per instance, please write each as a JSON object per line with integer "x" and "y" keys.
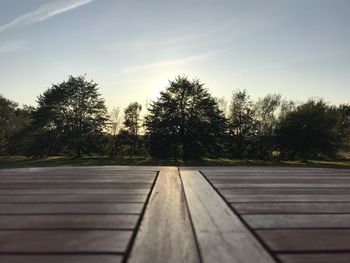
{"x": 67, "y": 191}
{"x": 291, "y": 208}
{"x": 79, "y": 258}
{"x": 81, "y": 198}
{"x": 315, "y": 258}
{"x": 64, "y": 241}
{"x": 283, "y": 185}
{"x": 298, "y": 221}
{"x": 70, "y": 215}
{"x": 68, "y": 221}
{"x": 306, "y": 240}
{"x": 287, "y": 198}
{"x": 222, "y": 237}
{"x": 71, "y": 208}
{"x": 166, "y": 234}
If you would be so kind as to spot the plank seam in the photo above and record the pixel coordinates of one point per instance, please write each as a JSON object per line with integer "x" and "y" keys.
{"x": 190, "y": 218}
{"x": 243, "y": 221}
{"x": 139, "y": 221}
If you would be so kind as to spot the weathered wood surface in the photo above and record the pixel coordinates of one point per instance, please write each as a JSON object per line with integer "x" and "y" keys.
{"x": 285, "y": 191}
{"x": 58, "y": 258}
{"x": 302, "y": 215}
{"x": 75, "y": 198}
{"x": 57, "y": 221}
{"x": 71, "y": 214}
{"x": 131, "y": 214}
{"x": 315, "y": 258}
{"x": 283, "y": 185}
{"x": 299, "y": 221}
{"x": 64, "y": 241}
{"x": 71, "y": 191}
{"x": 166, "y": 233}
{"x": 293, "y": 198}
{"x": 70, "y": 208}
{"x": 292, "y": 208}
{"x": 222, "y": 237}
{"x": 306, "y": 240}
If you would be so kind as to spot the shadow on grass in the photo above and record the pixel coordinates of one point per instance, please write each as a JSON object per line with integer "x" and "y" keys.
{"x": 51, "y": 161}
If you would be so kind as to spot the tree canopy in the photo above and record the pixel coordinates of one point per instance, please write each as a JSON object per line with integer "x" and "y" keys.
{"x": 309, "y": 131}
{"x": 241, "y": 124}
{"x": 185, "y": 122}
{"x": 71, "y": 116}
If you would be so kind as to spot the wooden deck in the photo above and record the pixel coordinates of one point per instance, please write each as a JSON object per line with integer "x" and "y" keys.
{"x": 167, "y": 214}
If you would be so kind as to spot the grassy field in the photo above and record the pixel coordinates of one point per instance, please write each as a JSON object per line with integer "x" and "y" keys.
{"x": 21, "y": 161}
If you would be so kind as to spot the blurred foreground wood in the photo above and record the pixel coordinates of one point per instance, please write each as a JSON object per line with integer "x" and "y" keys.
{"x": 169, "y": 214}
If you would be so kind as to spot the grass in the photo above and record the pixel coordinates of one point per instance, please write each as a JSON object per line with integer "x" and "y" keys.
{"x": 51, "y": 161}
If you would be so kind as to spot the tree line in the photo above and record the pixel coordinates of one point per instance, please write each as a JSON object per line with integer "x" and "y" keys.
{"x": 184, "y": 122}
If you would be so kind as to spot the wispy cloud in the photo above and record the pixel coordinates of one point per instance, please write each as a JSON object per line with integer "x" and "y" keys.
{"x": 12, "y": 46}
{"x": 173, "y": 61}
{"x": 44, "y": 12}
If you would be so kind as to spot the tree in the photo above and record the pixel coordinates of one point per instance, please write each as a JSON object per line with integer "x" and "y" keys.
{"x": 7, "y": 114}
{"x": 185, "y": 122}
{"x": 344, "y": 124}
{"x": 70, "y": 116}
{"x": 115, "y": 120}
{"x": 132, "y": 123}
{"x": 223, "y": 105}
{"x": 309, "y": 131}
{"x": 266, "y": 114}
{"x": 14, "y": 121}
{"x": 241, "y": 124}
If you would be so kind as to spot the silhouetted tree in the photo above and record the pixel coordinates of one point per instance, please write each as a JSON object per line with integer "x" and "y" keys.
{"x": 70, "y": 117}
{"x": 132, "y": 124}
{"x": 115, "y": 120}
{"x": 185, "y": 121}
{"x": 309, "y": 131}
{"x": 266, "y": 113}
{"x": 241, "y": 123}
{"x": 14, "y": 122}
{"x": 344, "y": 124}
{"x": 7, "y": 115}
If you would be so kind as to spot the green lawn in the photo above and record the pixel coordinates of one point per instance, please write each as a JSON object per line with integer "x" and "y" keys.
{"x": 21, "y": 161}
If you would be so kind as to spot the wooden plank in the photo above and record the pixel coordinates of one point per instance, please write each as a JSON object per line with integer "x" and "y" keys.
{"x": 102, "y": 198}
{"x": 286, "y": 191}
{"x": 290, "y": 208}
{"x": 283, "y": 185}
{"x": 68, "y": 185}
{"x": 310, "y": 240}
{"x": 268, "y": 169}
{"x": 221, "y": 236}
{"x": 75, "y": 176}
{"x": 286, "y": 198}
{"x": 71, "y": 208}
{"x": 298, "y": 221}
{"x": 235, "y": 177}
{"x": 100, "y": 258}
{"x": 281, "y": 173}
{"x": 165, "y": 234}
{"x": 277, "y": 174}
{"x": 64, "y": 241}
{"x": 68, "y": 221}
{"x": 86, "y": 171}
{"x": 315, "y": 258}
{"x": 70, "y": 191}
{"x": 307, "y": 182}
{"x": 73, "y": 181}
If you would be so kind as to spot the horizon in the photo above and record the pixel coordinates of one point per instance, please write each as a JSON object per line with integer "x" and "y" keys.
{"x": 299, "y": 50}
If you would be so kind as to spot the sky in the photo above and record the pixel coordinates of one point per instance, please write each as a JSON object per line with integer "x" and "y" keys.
{"x": 300, "y": 49}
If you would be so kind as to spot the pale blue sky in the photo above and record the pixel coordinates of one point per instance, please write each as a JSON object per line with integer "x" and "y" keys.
{"x": 300, "y": 49}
